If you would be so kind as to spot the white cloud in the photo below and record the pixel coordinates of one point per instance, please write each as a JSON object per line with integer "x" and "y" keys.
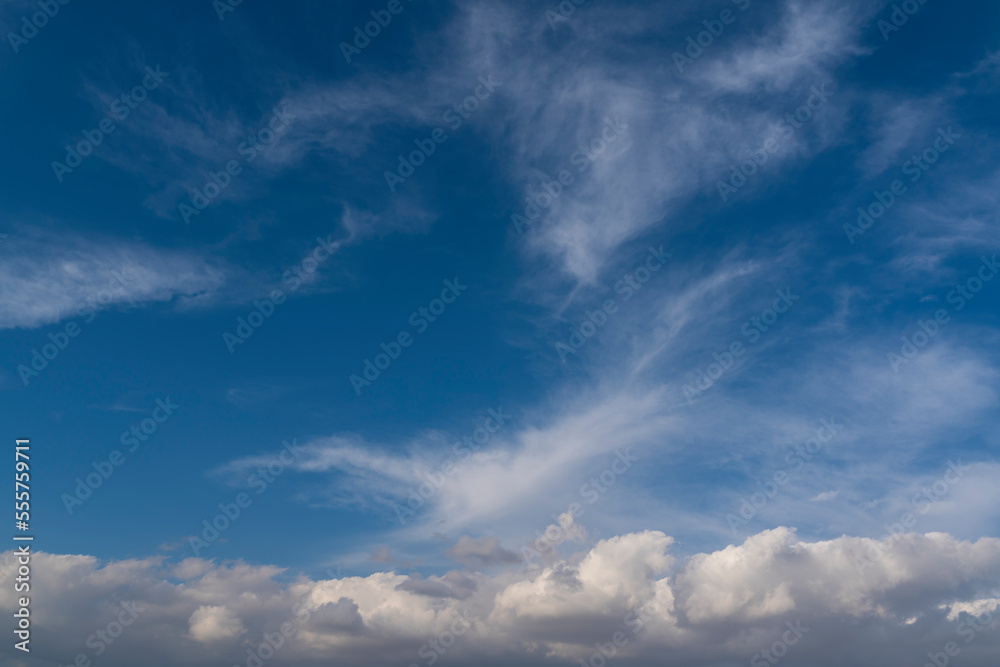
{"x": 727, "y": 599}
{"x": 515, "y": 472}
{"x": 211, "y": 624}
{"x": 802, "y": 44}
{"x": 679, "y": 140}
{"x": 973, "y": 607}
{"x": 47, "y": 277}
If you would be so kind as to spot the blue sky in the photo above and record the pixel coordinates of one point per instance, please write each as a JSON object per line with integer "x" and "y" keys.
{"x": 748, "y": 282}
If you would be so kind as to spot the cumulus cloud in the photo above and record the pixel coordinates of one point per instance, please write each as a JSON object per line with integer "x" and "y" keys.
{"x": 341, "y": 616}
{"x": 733, "y": 600}
{"x": 615, "y": 575}
{"x": 716, "y": 607}
{"x": 211, "y": 624}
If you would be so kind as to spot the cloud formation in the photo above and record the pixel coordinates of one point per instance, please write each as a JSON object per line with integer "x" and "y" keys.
{"x": 47, "y": 277}
{"x": 712, "y": 608}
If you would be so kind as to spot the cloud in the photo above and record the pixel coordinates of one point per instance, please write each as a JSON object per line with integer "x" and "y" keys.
{"x": 481, "y": 552}
{"x": 191, "y": 568}
{"x": 804, "y": 43}
{"x": 683, "y": 132}
{"x": 973, "y": 608}
{"x": 901, "y": 125}
{"x": 674, "y": 135}
{"x": 615, "y": 575}
{"x": 452, "y": 584}
{"x": 213, "y": 624}
{"x": 47, "y": 277}
{"x": 507, "y": 479}
{"x": 772, "y": 574}
{"x": 381, "y": 555}
{"x": 733, "y": 601}
{"x": 338, "y": 617}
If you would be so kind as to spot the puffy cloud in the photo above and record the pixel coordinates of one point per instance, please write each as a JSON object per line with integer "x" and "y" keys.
{"x": 773, "y": 574}
{"x": 339, "y": 616}
{"x": 212, "y": 624}
{"x": 615, "y": 575}
{"x": 734, "y": 600}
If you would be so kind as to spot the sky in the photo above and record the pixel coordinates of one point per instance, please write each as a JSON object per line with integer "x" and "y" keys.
{"x": 500, "y": 332}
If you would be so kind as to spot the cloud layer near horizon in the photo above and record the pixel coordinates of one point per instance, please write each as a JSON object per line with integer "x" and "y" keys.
{"x": 716, "y": 608}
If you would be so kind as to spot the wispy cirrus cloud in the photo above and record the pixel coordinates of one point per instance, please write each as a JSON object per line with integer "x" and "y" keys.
{"x": 45, "y": 277}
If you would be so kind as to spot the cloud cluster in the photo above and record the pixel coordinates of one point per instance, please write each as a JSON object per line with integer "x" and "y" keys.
{"x": 727, "y": 605}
